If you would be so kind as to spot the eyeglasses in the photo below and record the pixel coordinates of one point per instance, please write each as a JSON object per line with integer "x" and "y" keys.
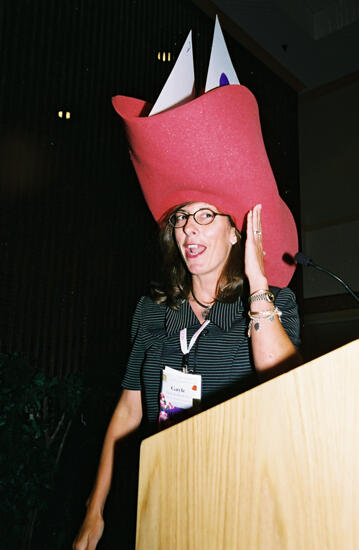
{"x": 203, "y": 216}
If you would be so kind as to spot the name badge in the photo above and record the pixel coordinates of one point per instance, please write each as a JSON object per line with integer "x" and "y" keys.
{"x": 180, "y": 391}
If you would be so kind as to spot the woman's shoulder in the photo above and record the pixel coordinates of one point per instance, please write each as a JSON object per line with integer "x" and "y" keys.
{"x": 149, "y": 311}
{"x": 285, "y": 301}
{"x": 283, "y": 294}
{"x": 148, "y": 317}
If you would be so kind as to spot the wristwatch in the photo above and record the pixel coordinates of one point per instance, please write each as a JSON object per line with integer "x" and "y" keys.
{"x": 266, "y": 295}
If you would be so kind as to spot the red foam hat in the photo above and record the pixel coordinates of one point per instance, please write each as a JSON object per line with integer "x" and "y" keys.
{"x": 211, "y": 150}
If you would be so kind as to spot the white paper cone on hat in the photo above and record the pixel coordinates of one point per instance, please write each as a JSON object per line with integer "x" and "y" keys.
{"x": 220, "y": 63}
{"x": 179, "y": 87}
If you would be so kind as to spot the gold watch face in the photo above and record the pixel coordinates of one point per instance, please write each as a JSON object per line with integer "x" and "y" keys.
{"x": 270, "y": 297}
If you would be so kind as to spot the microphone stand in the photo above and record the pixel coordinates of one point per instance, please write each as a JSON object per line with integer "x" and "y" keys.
{"x": 305, "y": 260}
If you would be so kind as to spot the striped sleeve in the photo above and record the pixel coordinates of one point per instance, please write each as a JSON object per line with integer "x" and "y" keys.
{"x": 132, "y": 378}
{"x": 286, "y": 303}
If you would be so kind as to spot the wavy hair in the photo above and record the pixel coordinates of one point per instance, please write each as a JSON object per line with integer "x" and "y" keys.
{"x": 176, "y": 279}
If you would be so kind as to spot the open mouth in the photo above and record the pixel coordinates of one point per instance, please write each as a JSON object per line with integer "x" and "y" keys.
{"x": 194, "y": 250}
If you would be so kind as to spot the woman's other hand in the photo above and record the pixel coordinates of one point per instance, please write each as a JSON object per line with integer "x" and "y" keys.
{"x": 90, "y": 532}
{"x": 254, "y": 255}
{"x": 125, "y": 419}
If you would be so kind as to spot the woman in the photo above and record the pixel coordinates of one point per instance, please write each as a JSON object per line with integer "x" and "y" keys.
{"x": 204, "y": 173}
{"x": 205, "y": 240}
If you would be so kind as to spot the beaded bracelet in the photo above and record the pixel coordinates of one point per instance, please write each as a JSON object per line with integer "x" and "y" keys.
{"x": 268, "y": 315}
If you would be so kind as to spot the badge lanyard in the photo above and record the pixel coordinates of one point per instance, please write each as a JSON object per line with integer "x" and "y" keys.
{"x": 186, "y": 348}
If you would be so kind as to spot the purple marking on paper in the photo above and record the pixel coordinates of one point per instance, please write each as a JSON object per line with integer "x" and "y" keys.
{"x": 223, "y": 81}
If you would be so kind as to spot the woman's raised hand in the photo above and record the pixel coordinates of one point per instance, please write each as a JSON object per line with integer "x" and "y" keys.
{"x": 254, "y": 255}
{"x": 90, "y": 533}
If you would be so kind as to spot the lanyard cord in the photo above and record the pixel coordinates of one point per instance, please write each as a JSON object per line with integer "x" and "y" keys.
{"x": 186, "y": 348}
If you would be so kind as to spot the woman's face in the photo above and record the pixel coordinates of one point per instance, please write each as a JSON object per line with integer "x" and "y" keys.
{"x": 205, "y": 248}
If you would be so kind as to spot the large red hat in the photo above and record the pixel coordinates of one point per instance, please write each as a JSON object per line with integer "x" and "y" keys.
{"x": 211, "y": 150}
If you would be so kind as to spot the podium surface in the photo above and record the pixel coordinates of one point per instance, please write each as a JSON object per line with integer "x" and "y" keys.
{"x": 274, "y": 468}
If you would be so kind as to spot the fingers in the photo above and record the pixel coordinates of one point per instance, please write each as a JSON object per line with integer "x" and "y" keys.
{"x": 249, "y": 225}
{"x": 254, "y": 254}
{"x": 89, "y": 535}
{"x": 81, "y": 543}
{"x": 257, "y": 222}
{"x": 254, "y": 223}
{"x": 85, "y": 543}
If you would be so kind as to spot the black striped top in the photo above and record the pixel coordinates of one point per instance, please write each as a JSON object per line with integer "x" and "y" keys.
{"x": 222, "y": 353}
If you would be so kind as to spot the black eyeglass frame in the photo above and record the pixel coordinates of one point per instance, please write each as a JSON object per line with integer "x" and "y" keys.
{"x": 187, "y": 215}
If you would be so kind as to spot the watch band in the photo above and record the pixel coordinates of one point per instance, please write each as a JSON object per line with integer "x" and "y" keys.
{"x": 266, "y": 295}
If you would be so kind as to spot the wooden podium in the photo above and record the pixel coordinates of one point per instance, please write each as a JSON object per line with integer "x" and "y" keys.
{"x": 274, "y": 468}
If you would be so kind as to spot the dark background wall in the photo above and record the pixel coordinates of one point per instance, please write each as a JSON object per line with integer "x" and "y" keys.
{"x": 78, "y": 245}
{"x": 328, "y": 151}
{"x": 77, "y": 241}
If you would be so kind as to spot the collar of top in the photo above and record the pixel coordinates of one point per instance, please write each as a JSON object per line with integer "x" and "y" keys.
{"x": 222, "y": 314}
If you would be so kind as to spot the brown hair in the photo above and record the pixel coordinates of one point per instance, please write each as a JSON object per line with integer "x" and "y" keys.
{"x": 177, "y": 281}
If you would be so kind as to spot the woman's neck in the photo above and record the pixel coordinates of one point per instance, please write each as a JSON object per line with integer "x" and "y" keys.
{"x": 204, "y": 288}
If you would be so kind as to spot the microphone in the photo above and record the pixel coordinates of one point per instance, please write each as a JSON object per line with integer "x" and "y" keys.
{"x": 303, "y": 259}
